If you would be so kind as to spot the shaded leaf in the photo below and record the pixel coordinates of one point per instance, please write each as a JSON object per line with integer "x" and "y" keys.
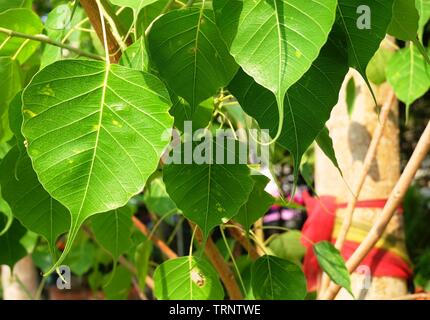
{"x": 274, "y": 278}
{"x": 190, "y": 55}
{"x": 288, "y": 246}
{"x": 404, "y": 24}
{"x": 119, "y": 285}
{"x": 135, "y": 56}
{"x": 10, "y": 243}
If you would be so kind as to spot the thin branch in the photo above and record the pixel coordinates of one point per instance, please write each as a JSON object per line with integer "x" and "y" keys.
{"x": 415, "y": 296}
{"x": 45, "y": 39}
{"x": 224, "y": 271}
{"x": 158, "y": 242}
{"x": 239, "y": 236}
{"x": 367, "y": 164}
{"x": 389, "y": 210}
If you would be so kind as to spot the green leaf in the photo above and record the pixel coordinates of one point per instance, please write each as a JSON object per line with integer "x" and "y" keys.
{"x": 101, "y": 138}
{"x": 288, "y": 246}
{"x": 308, "y": 103}
{"x": 404, "y": 24}
{"x": 363, "y": 43}
{"x": 10, "y": 4}
{"x": 12, "y": 250}
{"x": 113, "y": 230}
{"x": 258, "y": 203}
{"x": 15, "y": 121}
{"x": 57, "y": 23}
{"x": 187, "y": 278}
{"x": 408, "y": 74}
{"x": 119, "y": 285}
{"x": 332, "y": 263}
{"x": 274, "y": 278}
{"x": 29, "y": 201}
{"x": 6, "y": 213}
{"x": 275, "y": 42}
{"x": 326, "y": 144}
{"x": 135, "y": 56}
{"x": 190, "y": 55}
{"x": 157, "y": 199}
{"x": 10, "y": 84}
{"x": 142, "y": 258}
{"x": 82, "y": 256}
{"x": 182, "y": 112}
{"x": 376, "y": 69}
{"x": 218, "y": 190}
{"x": 423, "y": 7}
{"x": 24, "y": 21}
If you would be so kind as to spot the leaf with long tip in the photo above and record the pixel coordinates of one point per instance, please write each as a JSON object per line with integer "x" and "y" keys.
{"x": 275, "y": 41}
{"x": 80, "y": 137}
{"x": 309, "y": 102}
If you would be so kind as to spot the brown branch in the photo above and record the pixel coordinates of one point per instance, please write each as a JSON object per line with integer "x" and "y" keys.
{"x": 224, "y": 271}
{"x": 414, "y": 296}
{"x": 390, "y": 208}
{"x": 239, "y": 236}
{"x": 158, "y": 242}
{"x": 367, "y": 164}
{"x": 92, "y": 11}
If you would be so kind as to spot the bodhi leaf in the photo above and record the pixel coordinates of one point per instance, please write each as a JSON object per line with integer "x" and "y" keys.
{"x": 258, "y": 203}
{"x": 10, "y": 242}
{"x": 182, "y": 112}
{"x": 113, "y": 230}
{"x": 288, "y": 246}
{"x": 308, "y": 102}
{"x": 135, "y": 56}
{"x": 190, "y": 55}
{"x": 136, "y": 5}
{"x": 142, "y": 258}
{"x": 364, "y": 41}
{"x": 333, "y": 264}
{"x": 5, "y": 212}
{"x": 408, "y": 74}
{"x": 157, "y": 200}
{"x": 93, "y": 146}
{"x": 29, "y": 201}
{"x": 24, "y": 21}
{"x": 423, "y": 7}
{"x": 377, "y": 67}
{"x": 326, "y": 144}
{"x": 274, "y": 278}
{"x": 275, "y": 41}
{"x": 404, "y": 23}
{"x": 187, "y": 278}
{"x": 212, "y": 192}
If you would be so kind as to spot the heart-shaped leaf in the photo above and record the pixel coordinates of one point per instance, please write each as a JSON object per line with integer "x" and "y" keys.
{"x": 190, "y": 55}
{"x": 210, "y": 193}
{"x": 275, "y": 41}
{"x": 187, "y": 278}
{"x": 93, "y": 146}
{"x": 308, "y": 102}
{"x": 274, "y": 278}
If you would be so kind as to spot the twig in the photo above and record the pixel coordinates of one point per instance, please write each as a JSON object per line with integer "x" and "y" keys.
{"x": 92, "y": 10}
{"x": 390, "y": 208}
{"x": 45, "y": 39}
{"x": 130, "y": 267}
{"x": 158, "y": 242}
{"x": 244, "y": 242}
{"x": 224, "y": 271}
{"x": 367, "y": 164}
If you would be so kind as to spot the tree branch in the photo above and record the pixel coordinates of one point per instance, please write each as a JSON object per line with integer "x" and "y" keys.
{"x": 390, "y": 208}
{"x": 239, "y": 236}
{"x": 367, "y": 164}
{"x": 158, "y": 242}
{"x": 92, "y": 11}
{"x": 45, "y": 39}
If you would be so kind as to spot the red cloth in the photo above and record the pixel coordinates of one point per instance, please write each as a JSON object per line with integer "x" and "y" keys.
{"x": 319, "y": 227}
